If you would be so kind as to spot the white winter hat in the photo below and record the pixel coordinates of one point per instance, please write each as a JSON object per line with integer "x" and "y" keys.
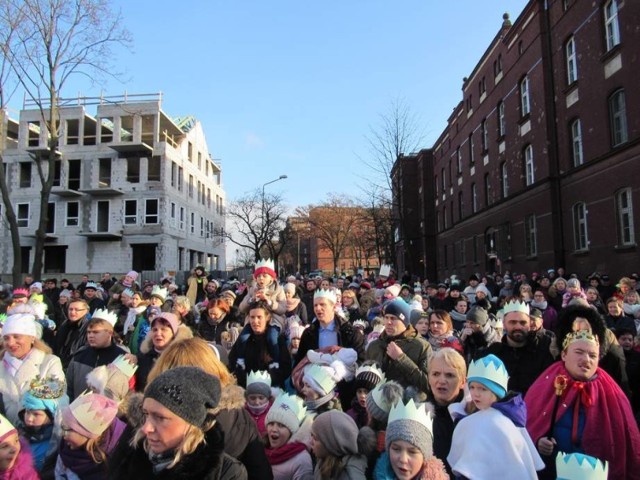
{"x": 20, "y": 324}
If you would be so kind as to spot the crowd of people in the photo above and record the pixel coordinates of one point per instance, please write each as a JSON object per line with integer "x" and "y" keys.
{"x": 494, "y": 376}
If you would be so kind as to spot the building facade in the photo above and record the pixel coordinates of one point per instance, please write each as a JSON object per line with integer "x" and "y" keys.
{"x": 539, "y": 164}
{"x": 133, "y": 189}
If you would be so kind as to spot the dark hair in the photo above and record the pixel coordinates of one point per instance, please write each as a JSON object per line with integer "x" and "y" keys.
{"x": 569, "y": 314}
{"x": 260, "y": 304}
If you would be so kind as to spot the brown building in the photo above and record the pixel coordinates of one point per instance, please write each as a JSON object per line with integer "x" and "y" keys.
{"x": 539, "y": 163}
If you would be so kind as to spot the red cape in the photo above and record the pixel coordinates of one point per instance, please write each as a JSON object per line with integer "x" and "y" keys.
{"x": 610, "y": 431}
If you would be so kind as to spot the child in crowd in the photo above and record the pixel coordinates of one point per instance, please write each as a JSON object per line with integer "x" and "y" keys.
{"x": 16, "y": 461}
{"x": 379, "y": 402}
{"x": 114, "y": 381}
{"x": 409, "y": 446}
{"x": 288, "y": 435}
{"x": 367, "y": 378}
{"x": 136, "y": 315}
{"x": 377, "y": 327}
{"x": 159, "y": 297}
{"x": 499, "y": 420}
{"x": 420, "y": 321}
{"x": 90, "y": 433}
{"x": 578, "y": 466}
{"x": 574, "y": 290}
{"x": 40, "y": 420}
{"x": 319, "y": 387}
{"x": 295, "y": 334}
{"x": 258, "y": 399}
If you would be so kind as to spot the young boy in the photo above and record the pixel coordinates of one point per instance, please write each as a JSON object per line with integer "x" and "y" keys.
{"x": 367, "y": 378}
{"x": 498, "y": 422}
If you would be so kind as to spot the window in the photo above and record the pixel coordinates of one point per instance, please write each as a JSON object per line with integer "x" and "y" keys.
{"x": 581, "y": 238}
{"x": 576, "y": 143}
{"x": 612, "y": 29}
{"x": 624, "y": 213}
{"x": 133, "y": 169}
{"x": 436, "y": 184}
{"x": 106, "y": 130}
{"x": 460, "y": 206}
{"x": 472, "y": 158}
{"x": 174, "y": 173}
{"x": 482, "y": 87}
{"x": 33, "y": 139}
{"x": 153, "y": 172}
{"x": 74, "y": 175}
{"x": 23, "y": 214}
{"x": 199, "y": 160}
{"x": 530, "y": 243}
{"x": 444, "y": 182}
{"x": 192, "y": 224}
{"x": 525, "y": 101}
{"x": 487, "y": 189}
{"x": 474, "y": 198}
{"x": 505, "y": 179}
{"x": 497, "y": 66}
{"x": 130, "y": 212}
{"x": 484, "y": 132}
{"x": 201, "y": 226}
{"x": 191, "y": 183}
{"x": 618, "y": 118}
{"x": 190, "y": 151}
{"x": 469, "y": 106}
{"x": 126, "y": 128}
{"x": 57, "y": 173}
{"x": 104, "y": 176}
{"x": 572, "y": 61}
{"x": 502, "y": 126}
{"x": 182, "y": 214}
{"x": 73, "y": 210}
{"x": 450, "y": 175}
{"x": 25, "y": 174}
{"x": 459, "y": 160}
{"x": 528, "y": 165}
{"x": 73, "y": 131}
{"x": 444, "y": 217}
{"x": 151, "y": 210}
{"x": 180, "y": 178}
{"x": 173, "y": 214}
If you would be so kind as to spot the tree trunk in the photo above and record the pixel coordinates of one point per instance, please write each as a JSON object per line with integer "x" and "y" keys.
{"x": 10, "y": 214}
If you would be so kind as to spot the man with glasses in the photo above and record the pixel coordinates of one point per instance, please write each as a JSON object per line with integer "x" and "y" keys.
{"x": 100, "y": 350}
{"x": 72, "y": 334}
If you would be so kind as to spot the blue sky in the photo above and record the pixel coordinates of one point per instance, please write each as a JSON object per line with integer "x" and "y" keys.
{"x": 293, "y": 87}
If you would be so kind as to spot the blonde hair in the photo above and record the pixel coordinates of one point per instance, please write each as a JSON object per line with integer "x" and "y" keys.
{"x": 94, "y": 449}
{"x": 182, "y": 301}
{"x": 194, "y": 352}
{"x": 452, "y": 359}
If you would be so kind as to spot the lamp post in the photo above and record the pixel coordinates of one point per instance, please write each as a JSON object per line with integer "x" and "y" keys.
{"x": 281, "y": 177}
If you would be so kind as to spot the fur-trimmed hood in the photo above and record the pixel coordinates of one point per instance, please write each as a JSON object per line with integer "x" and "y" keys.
{"x": 232, "y": 397}
{"x": 183, "y": 333}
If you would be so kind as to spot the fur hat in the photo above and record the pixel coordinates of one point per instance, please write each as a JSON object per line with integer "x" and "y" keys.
{"x": 188, "y": 392}
{"x": 20, "y": 324}
{"x": 6, "y": 428}
{"x": 289, "y": 410}
{"x": 398, "y": 308}
{"x": 413, "y": 424}
{"x": 382, "y": 398}
{"x": 337, "y": 431}
{"x": 112, "y": 380}
{"x": 90, "y": 414}
{"x": 478, "y": 315}
{"x": 258, "y": 382}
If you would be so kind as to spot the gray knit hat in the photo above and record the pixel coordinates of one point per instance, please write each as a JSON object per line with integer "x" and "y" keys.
{"x": 382, "y": 398}
{"x": 413, "y": 424}
{"x": 258, "y": 382}
{"x": 187, "y": 391}
{"x": 478, "y": 315}
{"x": 337, "y": 431}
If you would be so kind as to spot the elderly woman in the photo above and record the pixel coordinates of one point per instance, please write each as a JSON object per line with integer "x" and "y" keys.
{"x": 575, "y": 406}
{"x": 25, "y": 356}
{"x": 180, "y": 437}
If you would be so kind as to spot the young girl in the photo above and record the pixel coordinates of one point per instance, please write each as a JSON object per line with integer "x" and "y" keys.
{"x": 319, "y": 387}
{"x": 16, "y": 461}
{"x": 499, "y": 422}
{"x": 367, "y": 378}
{"x": 409, "y": 446}
{"x": 135, "y": 317}
{"x": 258, "y": 399}
{"x": 90, "y": 433}
{"x": 421, "y": 324}
{"x": 574, "y": 290}
{"x": 379, "y": 402}
{"x": 286, "y": 440}
{"x": 40, "y": 422}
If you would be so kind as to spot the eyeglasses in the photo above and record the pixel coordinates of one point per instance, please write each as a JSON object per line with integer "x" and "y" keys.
{"x": 65, "y": 430}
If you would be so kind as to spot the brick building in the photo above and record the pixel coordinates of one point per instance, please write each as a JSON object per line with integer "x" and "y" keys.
{"x": 539, "y": 163}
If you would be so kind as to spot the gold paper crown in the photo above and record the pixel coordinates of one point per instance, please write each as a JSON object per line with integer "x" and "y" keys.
{"x": 585, "y": 335}
{"x": 576, "y": 466}
{"x": 491, "y": 368}
{"x": 516, "y": 306}
{"x": 410, "y": 411}
{"x": 106, "y": 315}
{"x": 259, "y": 376}
{"x": 320, "y": 376}
{"x": 158, "y": 291}
{"x": 291, "y": 403}
{"x": 373, "y": 369}
{"x": 267, "y": 263}
{"x": 47, "y": 388}
{"x": 326, "y": 293}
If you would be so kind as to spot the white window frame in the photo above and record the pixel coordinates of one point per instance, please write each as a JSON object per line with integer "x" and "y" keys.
{"x": 529, "y": 167}
{"x": 202, "y": 226}
{"x": 624, "y": 213}
{"x": 572, "y": 60}
{"x": 485, "y": 135}
{"x": 23, "y": 221}
{"x": 576, "y": 143}
{"x": 504, "y": 178}
{"x": 611, "y": 25}
{"x": 531, "y": 231}
{"x": 580, "y": 227}
{"x": 151, "y": 218}
{"x": 502, "y": 125}
{"x": 472, "y": 157}
{"x": 618, "y": 118}
{"x": 182, "y": 218}
{"x": 459, "y": 159}
{"x": 525, "y": 99}
{"x": 71, "y": 221}
{"x": 474, "y": 198}
{"x": 173, "y": 212}
{"x": 192, "y": 223}
{"x": 129, "y": 219}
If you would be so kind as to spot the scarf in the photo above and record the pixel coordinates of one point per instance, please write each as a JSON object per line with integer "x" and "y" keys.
{"x": 161, "y": 461}
{"x": 313, "y": 405}
{"x": 292, "y": 304}
{"x": 437, "y": 341}
{"x": 257, "y": 411}
{"x": 37, "y": 434}
{"x": 13, "y": 364}
{"x": 127, "y": 283}
{"x": 131, "y": 317}
{"x": 279, "y": 455}
{"x": 540, "y": 305}
{"x": 457, "y": 316}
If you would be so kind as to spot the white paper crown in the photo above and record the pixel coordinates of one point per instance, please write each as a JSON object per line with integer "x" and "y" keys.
{"x": 106, "y": 315}
{"x": 373, "y": 369}
{"x": 410, "y": 411}
{"x": 89, "y": 413}
{"x": 266, "y": 262}
{"x": 325, "y": 293}
{"x": 516, "y": 306}
{"x": 491, "y": 368}
{"x": 379, "y": 398}
{"x": 321, "y": 376}
{"x": 574, "y": 466}
{"x": 158, "y": 291}
{"x": 124, "y": 365}
{"x": 361, "y": 324}
{"x": 291, "y": 403}
{"x": 259, "y": 376}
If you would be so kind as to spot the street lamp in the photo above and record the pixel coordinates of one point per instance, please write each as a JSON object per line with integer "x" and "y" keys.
{"x": 281, "y": 177}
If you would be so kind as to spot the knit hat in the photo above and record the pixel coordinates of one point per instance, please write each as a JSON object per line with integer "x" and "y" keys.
{"x": 258, "y": 382}
{"x": 289, "y": 288}
{"x": 482, "y": 288}
{"x": 36, "y": 286}
{"x": 392, "y": 290}
{"x": 20, "y": 324}
{"x": 289, "y": 410}
{"x": 478, "y": 315}
{"x": 490, "y": 372}
{"x": 398, "y": 308}
{"x": 44, "y": 394}
{"x": 112, "y": 380}
{"x": 337, "y": 432}
{"x": 416, "y": 315}
{"x": 382, "y": 398}
{"x": 573, "y": 283}
{"x": 265, "y": 266}
{"x": 368, "y": 376}
{"x": 578, "y": 466}
{"x": 296, "y": 330}
{"x": 6, "y": 428}
{"x": 413, "y": 424}
{"x": 169, "y": 318}
{"x": 65, "y": 293}
{"x": 90, "y": 414}
{"x": 188, "y": 392}
{"x": 133, "y": 274}
{"x": 228, "y": 293}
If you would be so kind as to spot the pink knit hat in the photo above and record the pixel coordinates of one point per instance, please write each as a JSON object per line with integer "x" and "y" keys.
{"x": 90, "y": 414}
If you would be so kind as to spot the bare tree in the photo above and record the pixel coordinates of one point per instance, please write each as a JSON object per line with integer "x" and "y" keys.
{"x": 256, "y": 222}
{"x": 52, "y": 41}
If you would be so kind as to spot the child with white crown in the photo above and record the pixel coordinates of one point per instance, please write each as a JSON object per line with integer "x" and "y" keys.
{"x": 578, "y": 466}
{"x": 258, "y": 398}
{"x": 15, "y": 457}
{"x": 499, "y": 421}
{"x": 409, "y": 446}
{"x": 269, "y": 294}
